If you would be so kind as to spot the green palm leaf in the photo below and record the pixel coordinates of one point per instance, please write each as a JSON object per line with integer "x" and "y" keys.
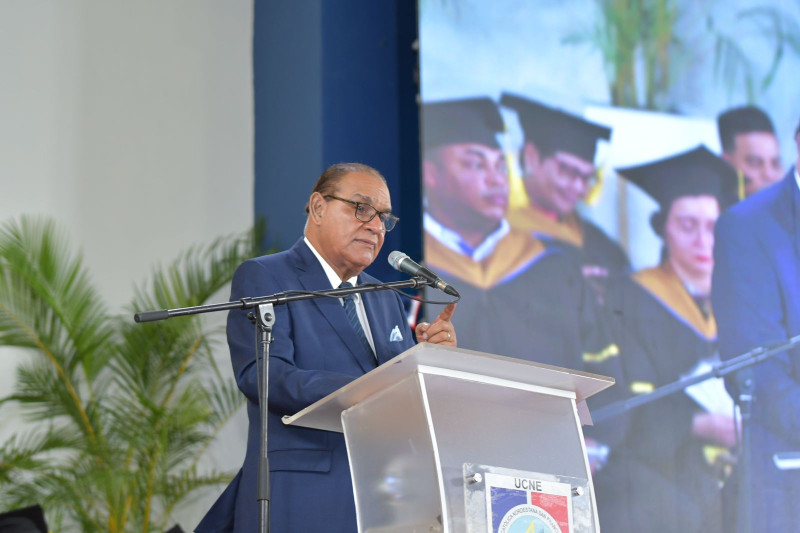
{"x": 129, "y": 408}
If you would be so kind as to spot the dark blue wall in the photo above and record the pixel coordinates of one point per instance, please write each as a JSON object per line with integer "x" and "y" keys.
{"x": 334, "y": 82}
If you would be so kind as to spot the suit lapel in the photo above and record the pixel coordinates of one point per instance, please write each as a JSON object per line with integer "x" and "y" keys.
{"x": 787, "y": 211}
{"x": 795, "y": 213}
{"x": 313, "y": 278}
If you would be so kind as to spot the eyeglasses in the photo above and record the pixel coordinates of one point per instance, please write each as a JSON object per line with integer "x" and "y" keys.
{"x": 571, "y": 173}
{"x": 365, "y": 213}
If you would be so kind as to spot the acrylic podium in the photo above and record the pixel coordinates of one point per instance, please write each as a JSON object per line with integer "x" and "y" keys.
{"x": 449, "y": 440}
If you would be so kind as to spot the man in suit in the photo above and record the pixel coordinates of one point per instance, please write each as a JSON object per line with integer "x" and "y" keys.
{"x": 750, "y": 145}
{"x": 756, "y": 300}
{"x": 319, "y": 346}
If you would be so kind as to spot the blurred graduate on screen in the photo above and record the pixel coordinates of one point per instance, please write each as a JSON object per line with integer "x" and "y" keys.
{"x": 668, "y": 473}
{"x": 519, "y": 298}
{"x": 749, "y": 144}
{"x": 558, "y": 172}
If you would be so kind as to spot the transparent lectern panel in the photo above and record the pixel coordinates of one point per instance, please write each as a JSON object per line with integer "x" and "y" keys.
{"x": 504, "y": 427}
{"x": 392, "y": 463}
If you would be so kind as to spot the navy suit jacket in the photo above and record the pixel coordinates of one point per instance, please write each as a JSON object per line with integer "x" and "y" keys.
{"x": 756, "y": 299}
{"x": 315, "y": 352}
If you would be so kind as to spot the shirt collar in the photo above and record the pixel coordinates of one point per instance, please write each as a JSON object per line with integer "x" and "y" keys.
{"x": 333, "y": 277}
{"x": 452, "y": 240}
{"x": 797, "y": 177}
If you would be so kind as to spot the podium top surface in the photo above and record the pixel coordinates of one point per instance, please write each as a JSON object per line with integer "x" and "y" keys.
{"x": 326, "y": 413}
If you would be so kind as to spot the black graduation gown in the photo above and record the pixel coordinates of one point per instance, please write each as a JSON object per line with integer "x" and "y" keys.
{"x": 658, "y": 479}
{"x": 531, "y": 302}
{"x": 525, "y": 301}
{"x": 584, "y": 241}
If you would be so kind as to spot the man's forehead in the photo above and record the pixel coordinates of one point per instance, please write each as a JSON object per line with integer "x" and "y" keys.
{"x": 378, "y": 203}
{"x": 756, "y": 138}
{"x": 572, "y": 159}
{"x": 475, "y": 149}
{"x": 367, "y": 188}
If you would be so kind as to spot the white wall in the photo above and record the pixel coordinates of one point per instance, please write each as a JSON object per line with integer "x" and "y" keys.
{"x": 131, "y": 124}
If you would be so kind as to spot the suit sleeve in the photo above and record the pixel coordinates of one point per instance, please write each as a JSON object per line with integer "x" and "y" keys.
{"x": 749, "y": 310}
{"x": 291, "y": 388}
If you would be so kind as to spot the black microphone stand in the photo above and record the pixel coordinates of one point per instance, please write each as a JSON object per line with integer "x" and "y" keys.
{"x": 264, "y": 319}
{"x": 745, "y": 386}
{"x": 745, "y": 383}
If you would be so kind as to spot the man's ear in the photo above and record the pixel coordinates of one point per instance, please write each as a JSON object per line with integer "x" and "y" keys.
{"x": 316, "y": 207}
{"x": 430, "y": 174}
{"x": 531, "y": 157}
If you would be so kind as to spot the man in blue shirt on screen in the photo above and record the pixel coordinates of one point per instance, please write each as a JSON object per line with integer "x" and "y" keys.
{"x": 749, "y": 144}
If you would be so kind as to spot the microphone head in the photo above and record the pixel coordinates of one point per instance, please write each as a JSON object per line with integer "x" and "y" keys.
{"x": 396, "y": 257}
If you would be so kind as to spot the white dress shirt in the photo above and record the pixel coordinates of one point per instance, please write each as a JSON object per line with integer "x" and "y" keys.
{"x": 333, "y": 277}
{"x": 452, "y": 240}
{"x": 796, "y": 177}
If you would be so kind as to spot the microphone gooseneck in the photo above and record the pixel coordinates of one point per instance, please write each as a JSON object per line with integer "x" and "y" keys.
{"x": 405, "y": 264}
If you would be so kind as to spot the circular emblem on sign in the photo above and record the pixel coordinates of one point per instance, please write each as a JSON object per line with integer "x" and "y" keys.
{"x": 528, "y": 518}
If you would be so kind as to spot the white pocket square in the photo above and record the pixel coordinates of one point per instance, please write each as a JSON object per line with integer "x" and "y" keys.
{"x": 395, "y": 335}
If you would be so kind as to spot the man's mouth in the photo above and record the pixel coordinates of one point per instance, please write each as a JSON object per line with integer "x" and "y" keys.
{"x": 496, "y": 199}
{"x": 367, "y": 242}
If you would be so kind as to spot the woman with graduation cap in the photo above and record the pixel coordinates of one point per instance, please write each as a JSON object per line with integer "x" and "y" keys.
{"x": 666, "y": 476}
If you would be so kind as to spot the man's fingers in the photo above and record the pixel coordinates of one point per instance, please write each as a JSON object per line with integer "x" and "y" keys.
{"x": 440, "y": 331}
{"x": 446, "y": 313}
{"x": 420, "y": 330}
{"x": 437, "y": 336}
{"x": 441, "y": 337}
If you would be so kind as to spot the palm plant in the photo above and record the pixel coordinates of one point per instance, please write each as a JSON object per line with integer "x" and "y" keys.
{"x": 633, "y": 35}
{"x": 643, "y": 53}
{"x": 738, "y": 65}
{"x": 118, "y": 413}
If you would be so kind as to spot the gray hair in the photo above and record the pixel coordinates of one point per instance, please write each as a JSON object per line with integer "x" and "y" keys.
{"x": 326, "y": 184}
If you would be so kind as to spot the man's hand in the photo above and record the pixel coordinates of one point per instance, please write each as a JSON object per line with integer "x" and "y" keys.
{"x": 441, "y": 331}
{"x": 716, "y": 428}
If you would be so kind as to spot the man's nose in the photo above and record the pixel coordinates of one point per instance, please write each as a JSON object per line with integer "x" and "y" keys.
{"x": 495, "y": 177}
{"x": 375, "y": 225}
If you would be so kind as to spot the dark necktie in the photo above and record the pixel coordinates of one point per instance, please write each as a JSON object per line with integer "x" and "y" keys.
{"x": 352, "y": 316}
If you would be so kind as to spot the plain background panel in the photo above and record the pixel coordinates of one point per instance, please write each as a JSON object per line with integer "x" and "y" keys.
{"x": 336, "y": 82}
{"x": 131, "y": 125}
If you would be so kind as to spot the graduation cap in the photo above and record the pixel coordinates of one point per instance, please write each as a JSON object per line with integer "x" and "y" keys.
{"x": 693, "y": 173}
{"x": 740, "y": 120}
{"x": 554, "y": 130}
{"x": 26, "y": 520}
{"x": 469, "y": 120}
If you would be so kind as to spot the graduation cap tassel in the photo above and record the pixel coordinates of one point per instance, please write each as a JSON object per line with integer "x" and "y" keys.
{"x": 593, "y": 196}
{"x": 740, "y": 183}
{"x": 517, "y": 196}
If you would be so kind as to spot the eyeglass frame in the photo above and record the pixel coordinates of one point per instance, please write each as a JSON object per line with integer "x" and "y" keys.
{"x": 569, "y": 172}
{"x": 387, "y": 215}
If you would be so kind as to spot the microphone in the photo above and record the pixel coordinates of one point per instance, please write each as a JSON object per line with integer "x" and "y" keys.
{"x": 405, "y": 264}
